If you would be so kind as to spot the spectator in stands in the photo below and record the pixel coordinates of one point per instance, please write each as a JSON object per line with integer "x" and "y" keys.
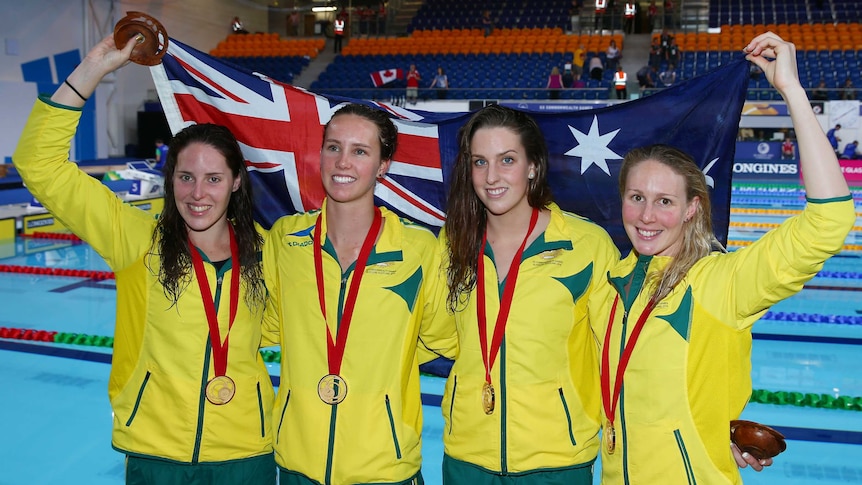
{"x": 788, "y": 150}
{"x": 161, "y": 154}
{"x": 673, "y": 54}
{"x": 487, "y": 23}
{"x": 364, "y": 14}
{"x": 568, "y": 77}
{"x": 664, "y": 41}
{"x": 612, "y": 56}
{"x": 575, "y": 15}
{"x": 850, "y": 151}
{"x": 206, "y": 411}
{"x": 671, "y": 402}
{"x": 832, "y": 136}
{"x": 755, "y": 72}
{"x": 629, "y": 14}
{"x": 236, "y": 26}
{"x": 646, "y": 77}
{"x": 668, "y": 77}
{"x": 655, "y": 53}
{"x": 621, "y": 83}
{"x": 381, "y": 19}
{"x": 440, "y": 83}
{"x": 848, "y": 92}
{"x": 516, "y": 404}
{"x": 578, "y": 59}
{"x": 652, "y": 15}
{"x": 821, "y": 92}
{"x": 339, "y": 27}
{"x": 413, "y": 78}
{"x": 745, "y": 134}
{"x": 293, "y": 22}
{"x": 596, "y": 68}
{"x": 555, "y": 83}
{"x": 669, "y": 14}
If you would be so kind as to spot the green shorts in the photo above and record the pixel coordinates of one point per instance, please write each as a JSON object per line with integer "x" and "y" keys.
{"x": 258, "y": 470}
{"x": 287, "y": 477}
{"x": 457, "y": 472}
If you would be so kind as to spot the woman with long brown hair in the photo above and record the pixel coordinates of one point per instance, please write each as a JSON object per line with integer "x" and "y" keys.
{"x": 520, "y": 403}
{"x": 190, "y": 404}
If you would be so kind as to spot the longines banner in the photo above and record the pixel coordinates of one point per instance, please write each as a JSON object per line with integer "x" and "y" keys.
{"x": 762, "y": 170}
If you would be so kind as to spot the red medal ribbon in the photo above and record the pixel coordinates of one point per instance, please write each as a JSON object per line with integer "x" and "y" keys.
{"x": 219, "y": 349}
{"x": 335, "y": 348}
{"x": 505, "y": 302}
{"x": 611, "y": 407}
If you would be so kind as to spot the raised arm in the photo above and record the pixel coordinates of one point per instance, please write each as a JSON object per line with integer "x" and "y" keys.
{"x": 822, "y": 174}
{"x": 102, "y": 59}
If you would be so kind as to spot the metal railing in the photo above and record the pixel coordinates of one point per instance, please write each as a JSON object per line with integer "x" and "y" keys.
{"x": 397, "y": 96}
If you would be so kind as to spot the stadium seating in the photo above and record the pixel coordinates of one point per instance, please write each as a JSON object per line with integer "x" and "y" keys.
{"x": 751, "y": 12}
{"x": 267, "y": 53}
{"x": 529, "y": 39}
{"x": 510, "y": 63}
{"x": 830, "y": 52}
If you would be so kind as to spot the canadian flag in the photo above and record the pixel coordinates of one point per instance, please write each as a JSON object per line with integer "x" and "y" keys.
{"x": 386, "y": 76}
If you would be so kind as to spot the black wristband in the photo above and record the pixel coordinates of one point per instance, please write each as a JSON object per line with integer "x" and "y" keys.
{"x": 73, "y": 89}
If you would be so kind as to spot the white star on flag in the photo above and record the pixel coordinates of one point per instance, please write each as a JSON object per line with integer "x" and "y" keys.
{"x": 593, "y": 148}
{"x": 710, "y": 182}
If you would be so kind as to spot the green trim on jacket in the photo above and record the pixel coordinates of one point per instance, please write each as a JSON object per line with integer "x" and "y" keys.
{"x": 161, "y": 348}
{"x": 546, "y": 374}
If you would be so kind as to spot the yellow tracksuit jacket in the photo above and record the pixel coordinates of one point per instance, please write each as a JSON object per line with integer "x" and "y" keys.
{"x": 373, "y": 436}
{"x": 546, "y": 372}
{"x": 162, "y": 353}
{"x": 690, "y": 371}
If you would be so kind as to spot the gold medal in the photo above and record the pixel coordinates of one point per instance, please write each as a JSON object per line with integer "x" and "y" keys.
{"x": 332, "y": 389}
{"x": 610, "y": 437}
{"x": 220, "y": 390}
{"x": 488, "y": 398}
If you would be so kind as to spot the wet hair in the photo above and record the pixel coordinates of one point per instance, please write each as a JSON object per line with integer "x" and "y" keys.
{"x": 465, "y": 213}
{"x": 698, "y": 239}
{"x": 387, "y": 134}
{"x": 170, "y": 239}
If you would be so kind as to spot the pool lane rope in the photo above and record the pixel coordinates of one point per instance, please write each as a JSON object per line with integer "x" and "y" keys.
{"x": 43, "y": 271}
{"x": 762, "y": 396}
{"x": 86, "y": 340}
{"x": 60, "y": 236}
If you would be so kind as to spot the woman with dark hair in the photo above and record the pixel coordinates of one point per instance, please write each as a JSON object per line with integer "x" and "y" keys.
{"x": 521, "y": 402}
{"x": 675, "y": 318}
{"x": 189, "y": 404}
{"x": 354, "y": 295}
{"x": 440, "y": 83}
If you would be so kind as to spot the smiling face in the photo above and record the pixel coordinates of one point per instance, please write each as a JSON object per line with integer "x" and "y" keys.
{"x": 655, "y": 208}
{"x": 500, "y": 170}
{"x": 350, "y": 160}
{"x": 203, "y": 185}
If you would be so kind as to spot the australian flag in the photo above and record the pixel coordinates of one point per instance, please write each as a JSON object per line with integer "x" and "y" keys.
{"x": 280, "y": 129}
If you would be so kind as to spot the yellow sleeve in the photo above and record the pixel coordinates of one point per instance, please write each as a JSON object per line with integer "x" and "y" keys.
{"x": 119, "y": 232}
{"x": 438, "y": 336}
{"x": 271, "y": 325}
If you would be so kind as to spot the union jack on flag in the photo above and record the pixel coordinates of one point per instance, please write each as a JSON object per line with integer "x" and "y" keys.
{"x": 280, "y": 129}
